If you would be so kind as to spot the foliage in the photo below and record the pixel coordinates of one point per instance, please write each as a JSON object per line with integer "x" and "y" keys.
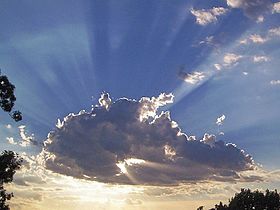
{"x": 247, "y": 200}
{"x": 8, "y": 98}
{"x": 9, "y": 163}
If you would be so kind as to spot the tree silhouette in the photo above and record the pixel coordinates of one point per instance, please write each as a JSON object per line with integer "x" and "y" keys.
{"x": 8, "y": 98}
{"x": 9, "y": 163}
{"x": 9, "y": 160}
{"x": 247, "y": 200}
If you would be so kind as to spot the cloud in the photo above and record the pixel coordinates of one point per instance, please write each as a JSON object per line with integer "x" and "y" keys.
{"x": 260, "y": 19}
{"x": 218, "y": 66}
{"x": 117, "y": 145}
{"x": 210, "y": 41}
{"x": 274, "y": 32}
{"x": 8, "y": 126}
{"x": 26, "y": 140}
{"x": 11, "y": 140}
{"x": 258, "y": 39}
{"x": 231, "y": 59}
{"x": 149, "y": 106}
{"x": 220, "y": 120}
{"x": 255, "y": 38}
{"x": 191, "y": 78}
{"x": 104, "y": 100}
{"x": 252, "y": 8}
{"x": 259, "y": 59}
{"x": 275, "y": 82}
{"x": 276, "y": 7}
{"x": 204, "y": 17}
{"x": 209, "y": 139}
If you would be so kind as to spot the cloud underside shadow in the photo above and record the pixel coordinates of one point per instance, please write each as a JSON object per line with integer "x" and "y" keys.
{"x": 129, "y": 142}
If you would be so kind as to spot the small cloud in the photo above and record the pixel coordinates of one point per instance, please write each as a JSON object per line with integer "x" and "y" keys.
{"x": 11, "y": 140}
{"x": 256, "y": 38}
{"x": 276, "y": 7}
{"x": 220, "y": 120}
{"x": 231, "y": 59}
{"x": 260, "y": 19}
{"x": 274, "y": 32}
{"x": 243, "y": 41}
{"x": 275, "y": 82}
{"x": 218, "y": 66}
{"x": 204, "y": 17}
{"x": 25, "y": 139}
{"x": 259, "y": 59}
{"x": 209, "y": 40}
{"x": 8, "y": 126}
{"x": 245, "y": 73}
{"x": 191, "y": 78}
{"x": 254, "y": 9}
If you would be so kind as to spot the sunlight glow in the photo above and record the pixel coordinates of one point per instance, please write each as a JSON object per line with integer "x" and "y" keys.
{"x": 128, "y": 162}
{"x": 132, "y": 161}
{"x": 122, "y": 167}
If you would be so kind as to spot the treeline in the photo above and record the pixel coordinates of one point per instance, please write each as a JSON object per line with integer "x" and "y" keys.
{"x": 251, "y": 200}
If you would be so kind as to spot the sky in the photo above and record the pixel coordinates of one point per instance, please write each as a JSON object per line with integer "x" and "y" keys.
{"x": 137, "y": 104}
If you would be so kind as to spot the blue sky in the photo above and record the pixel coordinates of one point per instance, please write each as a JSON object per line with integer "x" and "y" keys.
{"x": 216, "y": 57}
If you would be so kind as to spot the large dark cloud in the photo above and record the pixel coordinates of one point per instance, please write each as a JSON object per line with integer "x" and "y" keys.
{"x": 126, "y": 141}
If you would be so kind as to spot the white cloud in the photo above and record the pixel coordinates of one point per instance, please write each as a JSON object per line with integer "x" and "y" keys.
{"x": 260, "y": 19}
{"x": 113, "y": 145}
{"x": 275, "y": 82}
{"x": 209, "y": 139}
{"x": 274, "y": 32}
{"x": 26, "y": 140}
{"x": 243, "y": 41}
{"x": 234, "y": 3}
{"x": 276, "y": 7}
{"x": 105, "y": 100}
{"x": 9, "y": 126}
{"x": 193, "y": 77}
{"x": 252, "y": 8}
{"x": 220, "y": 120}
{"x": 218, "y": 66}
{"x": 204, "y": 17}
{"x": 209, "y": 40}
{"x": 259, "y": 59}
{"x": 149, "y": 106}
{"x": 256, "y": 38}
{"x": 231, "y": 59}
{"x": 11, "y": 140}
